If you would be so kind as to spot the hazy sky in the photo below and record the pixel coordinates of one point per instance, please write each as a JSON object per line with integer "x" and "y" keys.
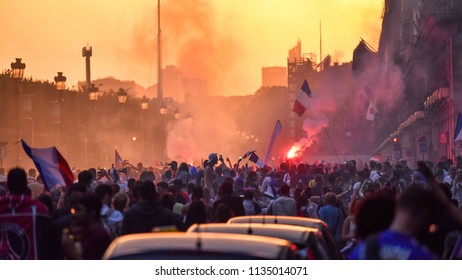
{"x": 224, "y": 41}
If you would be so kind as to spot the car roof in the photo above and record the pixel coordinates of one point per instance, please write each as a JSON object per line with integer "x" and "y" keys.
{"x": 295, "y": 234}
{"x": 292, "y": 220}
{"x": 256, "y": 246}
{"x": 287, "y": 220}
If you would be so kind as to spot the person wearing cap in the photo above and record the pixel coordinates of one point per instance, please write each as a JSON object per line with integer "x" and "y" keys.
{"x": 209, "y": 171}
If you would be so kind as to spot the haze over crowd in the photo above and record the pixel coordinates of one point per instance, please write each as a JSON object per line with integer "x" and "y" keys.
{"x": 225, "y": 42}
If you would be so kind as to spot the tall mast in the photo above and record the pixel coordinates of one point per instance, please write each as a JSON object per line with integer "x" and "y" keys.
{"x": 320, "y": 47}
{"x": 160, "y": 94}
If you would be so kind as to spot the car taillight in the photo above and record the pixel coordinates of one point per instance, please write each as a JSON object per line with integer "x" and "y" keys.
{"x": 293, "y": 247}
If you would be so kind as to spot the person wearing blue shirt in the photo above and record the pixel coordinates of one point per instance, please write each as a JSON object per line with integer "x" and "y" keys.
{"x": 332, "y": 215}
{"x": 415, "y": 209}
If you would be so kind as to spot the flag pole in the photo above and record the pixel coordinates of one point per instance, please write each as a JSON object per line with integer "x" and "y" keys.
{"x": 333, "y": 147}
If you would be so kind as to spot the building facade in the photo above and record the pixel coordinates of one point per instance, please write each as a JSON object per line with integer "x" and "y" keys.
{"x": 423, "y": 38}
{"x": 299, "y": 68}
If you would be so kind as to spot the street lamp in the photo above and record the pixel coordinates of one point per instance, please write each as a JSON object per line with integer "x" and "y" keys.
{"x": 144, "y": 108}
{"x": 163, "y": 109}
{"x": 163, "y": 112}
{"x": 18, "y": 69}
{"x": 18, "y": 73}
{"x": 144, "y": 103}
{"x": 177, "y": 114}
{"x": 60, "y": 81}
{"x": 122, "y": 96}
{"x": 93, "y": 93}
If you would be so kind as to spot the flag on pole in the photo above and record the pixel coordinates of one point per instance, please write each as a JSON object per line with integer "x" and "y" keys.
{"x": 51, "y": 165}
{"x": 303, "y": 99}
{"x": 371, "y": 111}
{"x": 458, "y": 130}
{"x": 118, "y": 162}
{"x": 276, "y": 131}
{"x": 255, "y": 159}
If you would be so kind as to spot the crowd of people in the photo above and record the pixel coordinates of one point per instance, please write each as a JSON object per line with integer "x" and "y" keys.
{"x": 375, "y": 211}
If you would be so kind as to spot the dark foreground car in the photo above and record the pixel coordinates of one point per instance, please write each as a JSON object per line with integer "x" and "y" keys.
{"x": 309, "y": 241}
{"x": 297, "y": 221}
{"x": 194, "y": 246}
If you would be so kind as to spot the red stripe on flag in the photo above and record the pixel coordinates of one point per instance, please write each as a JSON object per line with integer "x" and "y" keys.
{"x": 66, "y": 172}
{"x": 299, "y": 108}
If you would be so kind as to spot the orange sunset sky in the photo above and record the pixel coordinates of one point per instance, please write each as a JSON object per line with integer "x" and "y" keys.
{"x": 224, "y": 41}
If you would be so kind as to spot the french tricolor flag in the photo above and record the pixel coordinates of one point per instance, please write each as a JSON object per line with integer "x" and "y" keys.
{"x": 255, "y": 159}
{"x": 303, "y": 99}
{"x": 51, "y": 165}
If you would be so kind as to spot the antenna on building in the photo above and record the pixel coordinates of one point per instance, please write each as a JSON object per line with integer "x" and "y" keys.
{"x": 160, "y": 95}
{"x": 87, "y": 52}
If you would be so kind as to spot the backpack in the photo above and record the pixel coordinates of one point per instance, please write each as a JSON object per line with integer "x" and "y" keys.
{"x": 111, "y": 228}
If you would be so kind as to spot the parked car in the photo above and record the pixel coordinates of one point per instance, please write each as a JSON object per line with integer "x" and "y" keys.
{"x": 309, "y": 241}
{"x": 193, "y": 246}
{"x": 297, "y": 221}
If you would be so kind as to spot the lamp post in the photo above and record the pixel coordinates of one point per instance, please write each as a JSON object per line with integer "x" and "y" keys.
{"x": 17, "y": 68}
{"x": 93, "y": 93}
{"x": 163, "y": 109}
{"x": 144, "y": 103}
{"x": 122, "y": 96}
{"x": 163, "y": 112}
{"x": 122, "y": 99}
{"x": 144, "y": 108}
{"x": 177, "y": 114}
{"x": 60, "y": 82}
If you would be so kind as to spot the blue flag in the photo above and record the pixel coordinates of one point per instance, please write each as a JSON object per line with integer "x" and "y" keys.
{"x": 276, "y": 131}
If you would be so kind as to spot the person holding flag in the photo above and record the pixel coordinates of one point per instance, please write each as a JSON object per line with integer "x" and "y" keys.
{"x": 253, "y": 157}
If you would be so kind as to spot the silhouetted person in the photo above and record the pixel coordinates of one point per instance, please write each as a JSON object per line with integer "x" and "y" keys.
{"x": 86, "y": 229}
{"x": 414, "y": 214}
{"x": 233, "y": 202}
{"x": 27, "y": 230}
{"x": 147, "y": 213}
{"x": 197, "y": 214}
{"x": 223, "y": 213}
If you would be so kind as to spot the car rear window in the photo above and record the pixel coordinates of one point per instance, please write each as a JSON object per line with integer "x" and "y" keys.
{"x": 187, "y": 255}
